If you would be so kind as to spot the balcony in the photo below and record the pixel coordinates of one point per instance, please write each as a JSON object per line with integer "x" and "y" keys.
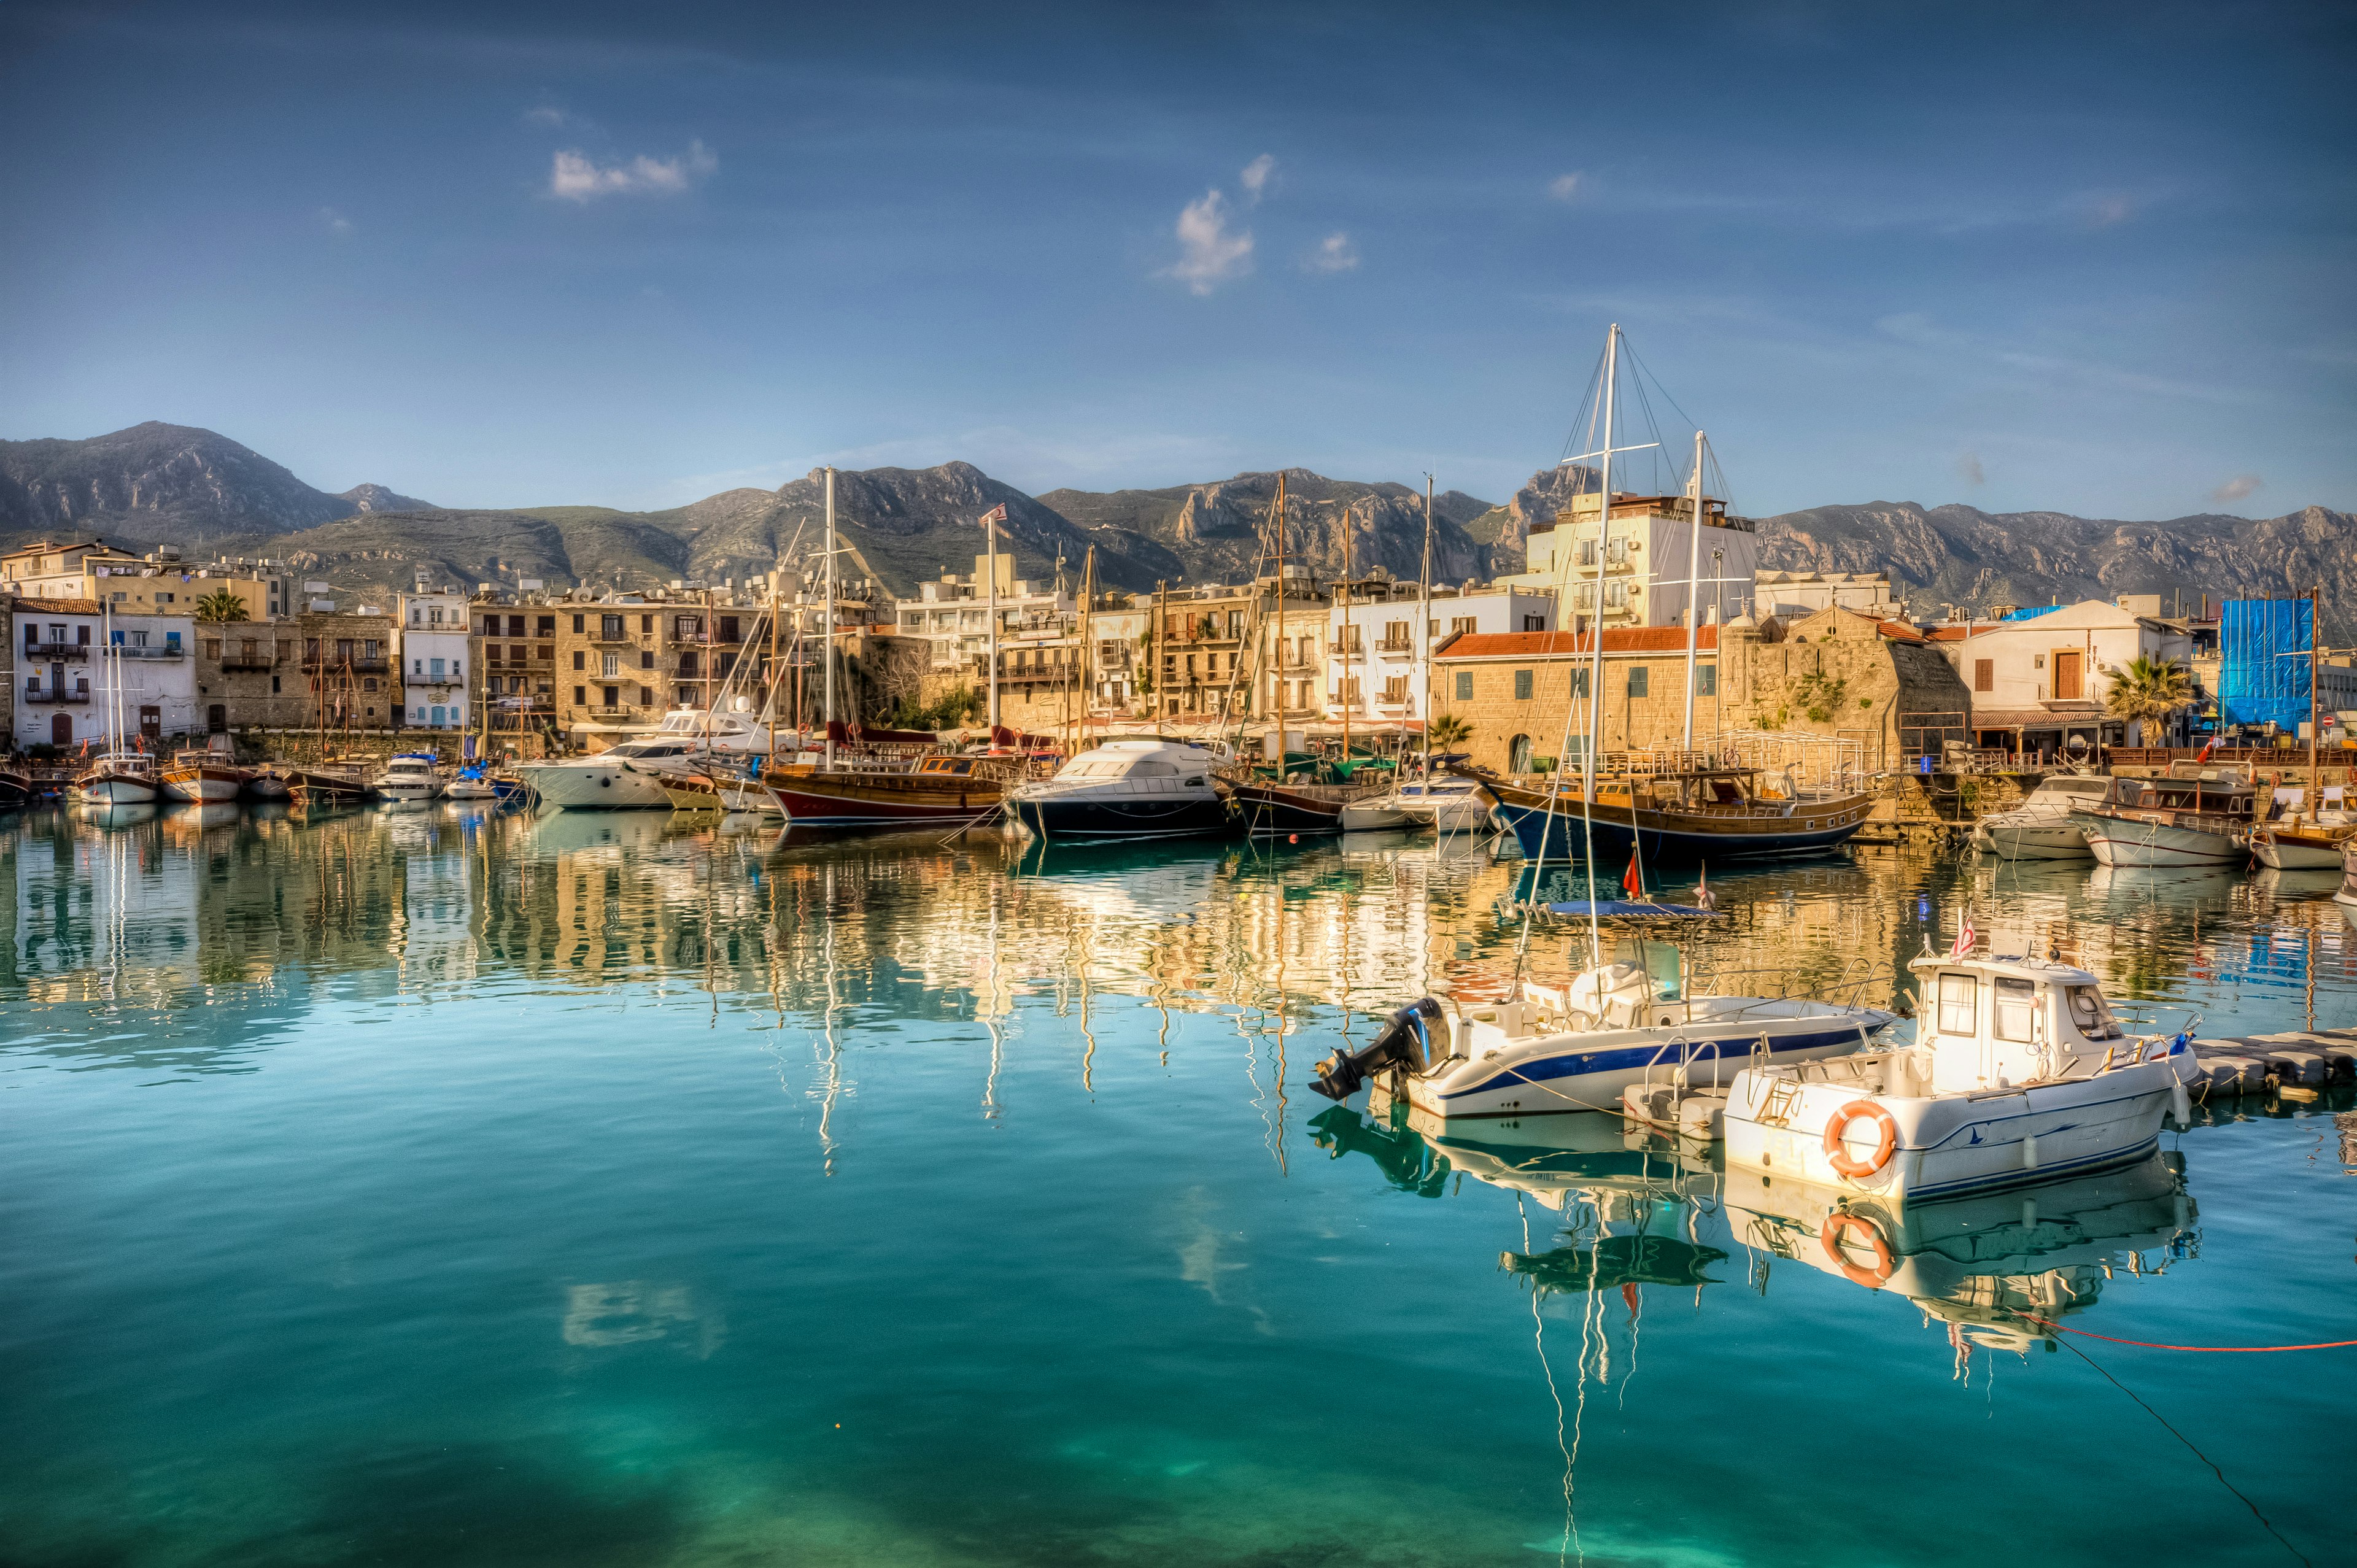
{"x": 1395, "y": 645}
{"x": 41, "y": 697}
{"x": 621, "y": 712}
{"x": 145, "y": 650}
{"x": 312, "y": 664}
{"x": 56, "y": 650}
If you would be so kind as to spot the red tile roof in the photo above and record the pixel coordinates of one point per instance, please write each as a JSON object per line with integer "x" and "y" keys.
{"x": 1556, "y": 644}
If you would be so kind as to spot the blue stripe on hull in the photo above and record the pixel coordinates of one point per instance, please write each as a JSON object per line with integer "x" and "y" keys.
{"x": 1624, "y": 1058}
{"x": 1566, "y": 835}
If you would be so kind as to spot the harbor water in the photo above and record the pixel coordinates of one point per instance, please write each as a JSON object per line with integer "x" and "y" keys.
{"x": 437, "y": 1186}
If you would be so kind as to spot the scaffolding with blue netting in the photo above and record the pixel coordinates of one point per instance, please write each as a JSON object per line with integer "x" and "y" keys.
{"x": 2263, "y": 673}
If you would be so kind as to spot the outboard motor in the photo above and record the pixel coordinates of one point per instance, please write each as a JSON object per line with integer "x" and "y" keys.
{"x": 1406, "y": 1040}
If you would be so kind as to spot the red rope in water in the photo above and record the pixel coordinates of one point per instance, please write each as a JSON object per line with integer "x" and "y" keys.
{"x": 2212, "y": 1349}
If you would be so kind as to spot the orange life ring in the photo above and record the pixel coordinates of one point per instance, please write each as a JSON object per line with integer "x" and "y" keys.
{"x": 1838, "y": 1123}
{"x": 1831, "y": 1238}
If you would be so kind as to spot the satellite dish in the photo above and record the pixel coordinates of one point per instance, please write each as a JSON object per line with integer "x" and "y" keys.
{"x": 744, "y": 703}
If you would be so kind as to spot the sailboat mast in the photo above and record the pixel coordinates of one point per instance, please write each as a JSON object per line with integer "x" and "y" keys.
{"x": 990, "y": 531}
{"x": 1278, "y": 513}
{"x": 1694, "y": 583}
{"x": 1342, "y": 598}
{"x": 829, "y": 633}
{"x": 1424, "y": 625}
{"x": 1595, "y": 646}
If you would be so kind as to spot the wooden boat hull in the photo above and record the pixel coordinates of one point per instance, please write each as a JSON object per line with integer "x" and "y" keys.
{"x": 2288, "y": 852}
{"x": 1283, "y": 810}
{"x": 310, "y": 788}
{"x": 267, "y": 787}
{"x": 863, "y": 797}
{"x": 15, "y": 789}
{"x": 203, "y": 784}
{"x": 1812, "y": 827}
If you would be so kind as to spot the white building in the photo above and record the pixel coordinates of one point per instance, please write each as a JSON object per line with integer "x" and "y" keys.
{"x": 71, "y": 656}
{"x": 952, "y": 614}
{"x": 2036, "y": 683}
{"x": 433, "y": 639}
{"x": 1790, "y": 596}
{"x": 1375, "y": 661}
{"x": 1646, "y": 562}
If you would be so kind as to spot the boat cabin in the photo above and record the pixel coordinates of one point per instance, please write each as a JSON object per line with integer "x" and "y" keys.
{"x": 2200, "y": 790}
{"x": 1996, "y": 1023}
{"x": 951, "y": 766}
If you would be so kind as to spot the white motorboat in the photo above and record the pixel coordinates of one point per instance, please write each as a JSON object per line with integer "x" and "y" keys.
{"x": 2347, "y": 896}
{"x": 408, "y": 776}
{"x": 471, "y": 784}
{"x": 628, "y": 776}
{"x": 1447, "y": 803}
{"x": 1552, "y": 1049}
{"x": 2198, "y": 814}
{"x": 1380, "y": 815}
{"x": 2019, "y": 1074}
{"x": 2300, "y": 840}
{"x": 2042, "y": 827}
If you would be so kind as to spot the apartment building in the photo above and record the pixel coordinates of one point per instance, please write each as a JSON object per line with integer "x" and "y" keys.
{"x": 73, "y": 654}
{"x": 158, "y": 582}
{"x": 511, "y": 648}
{"x": 349, "y": 681}
{"x": 249, "y": 675}
{"x": 435, "y": 633}
{"x": 1377, "y": 657}
{"x": 623, "y": 661}
{"x": 1640, "y": 573}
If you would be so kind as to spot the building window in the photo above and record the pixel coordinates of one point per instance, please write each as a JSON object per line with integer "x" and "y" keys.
{"x": 548, "y": 626}
{"x": 1706, "y": 680}
{"x": 580, "y": 696}
{"x": 274, "y": 685}
{"x": 1534, "y": 623}
{"x": 1465, "y": 685}
{"x": 1984, "y": 674}
{"x": 646, "y": 659}
{"x": 610, "y": 665}
{"x": 646, "y": 698}
{"x": 579, "y": 661}
{"x": 579, "y": 625}
{"x": 613, "y": 697}
{"x": 1637, "y": 681}
{"x": 1522, "y": 689}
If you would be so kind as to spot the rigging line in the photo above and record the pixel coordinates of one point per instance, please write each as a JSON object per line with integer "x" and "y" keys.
{"x": 1584, "y": 412}
{"x": 2197, "y": 1453}
{"x": 1647, "y": 372}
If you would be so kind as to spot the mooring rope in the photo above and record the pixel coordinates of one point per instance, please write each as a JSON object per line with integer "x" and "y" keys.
{"x": 2208, "y": 1350}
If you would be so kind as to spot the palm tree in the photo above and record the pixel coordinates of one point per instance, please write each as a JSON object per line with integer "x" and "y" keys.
{"x": 1448, "y": 730}
{"x": 220, "y": 606}
{"x": 2148, "y": 690}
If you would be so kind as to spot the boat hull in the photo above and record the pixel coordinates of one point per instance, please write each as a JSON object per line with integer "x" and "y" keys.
{"x": 202, "y": 785}
{"x": 1286, "y": 811}
{"x": 1955, "y": 1143}
{"x": 2293, "y": 854}
{"x": 594, "y": 785}
{"x": 2052, "y": 840}
{"x": 2135, "y": 841}
{"x": 1659, "y": 837}
{"x": 117, "y": 789}
{"x": 1095, "y": 818}
{"x": 1588, "y": 1072}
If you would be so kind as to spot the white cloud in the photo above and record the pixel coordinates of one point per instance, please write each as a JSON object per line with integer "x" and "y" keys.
{"x": 2238, "y": 486}
{"x": 1563, "y": 187}
{"x": 1254, "y": 178}
{"x": 576, "y": 178}
{"x": 336, "y": 223}
{"x": 546, "y": 114}
{"x": 1970, "y": 469}
{"x": 1335, "y": 254}
{"x": 2101, "y": 211}
{"x": 1209, "y": 255}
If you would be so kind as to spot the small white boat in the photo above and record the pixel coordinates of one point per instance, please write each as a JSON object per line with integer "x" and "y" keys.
{"x": 470, "y": 785}
{"x": 408, "y": 776}
{"x": 2042, "y": 827}
{"x": 119, "y": 779}
{"x": 1446, "y": 802}
{"x": 2300, "y": 840}
{"x": 1552, "y": 1049}
{"x": 2198, "y": 814}
{"x": 1375, "y": 816}
{"x": 629, "y": 776}
{"x": 2019, "y": 1074}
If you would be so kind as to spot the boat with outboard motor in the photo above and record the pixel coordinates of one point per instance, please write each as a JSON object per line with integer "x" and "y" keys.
{"x": 1676, "y": 806}
{"x": 2198, "y": 814}
{"x": 1548, "y": 1050}
{"x": 2042, "y": 827}
{"x": 1133, "y": 787}
{"x": 2019, "y": 1073}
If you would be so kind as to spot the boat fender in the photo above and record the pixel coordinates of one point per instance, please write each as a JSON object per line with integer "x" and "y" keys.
{"x": 1406, "y": 1039}
{"x": 1838, "y": 1225}
{"x": 1838, "y": 1123}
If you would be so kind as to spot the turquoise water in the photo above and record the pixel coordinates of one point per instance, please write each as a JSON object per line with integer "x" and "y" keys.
{"x": 432, "y": 1189}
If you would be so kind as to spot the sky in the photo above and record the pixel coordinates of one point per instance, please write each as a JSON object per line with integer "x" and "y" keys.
{"x": 2087, "y": 258}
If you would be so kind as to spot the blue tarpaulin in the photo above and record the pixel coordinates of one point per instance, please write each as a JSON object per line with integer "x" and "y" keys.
{"x": 2030, "y": 612}
{"x": 2257, "y": 680}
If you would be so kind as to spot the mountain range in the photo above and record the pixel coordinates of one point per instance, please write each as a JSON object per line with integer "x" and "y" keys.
{"x": 156, "y": 484}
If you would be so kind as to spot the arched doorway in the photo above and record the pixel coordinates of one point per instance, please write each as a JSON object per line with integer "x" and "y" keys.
{"x": 60, "y": 729}
{"x": 1518, "y": 755}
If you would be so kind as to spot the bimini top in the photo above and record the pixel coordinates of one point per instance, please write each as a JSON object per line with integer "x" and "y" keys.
{"x": 2022, "y": 967}
{"x": 1630, "y": 908}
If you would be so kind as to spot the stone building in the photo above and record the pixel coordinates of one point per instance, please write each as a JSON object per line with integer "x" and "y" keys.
{"x": 511, "y": 648}
{"x": 349, "y": 682}
{"x": 1833, "y": 675}
{"x": 65, "y": 692}
{"x": 249, "y": 676}
{"x": 1376, "y": 658}
{"x": 624, "y": 660}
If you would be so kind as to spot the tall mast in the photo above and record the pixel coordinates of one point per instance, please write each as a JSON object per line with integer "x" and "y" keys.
{"x": 830, "y": 618}
{"x": 1342, "y": 598}
{"x": 1595, "y": 646}
{"x": 1424, "y": 625}
{"x": 1277, "y": 512}
{"x": 990, "y": 529}
{"x": 1694, "y": 602}
{"x": 1154, "y": 655}
{"x": 1086, "y": 670}
{"x": 2315, "y": 630}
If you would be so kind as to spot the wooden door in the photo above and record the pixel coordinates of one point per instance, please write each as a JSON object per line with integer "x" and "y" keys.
{"x": 2069, "y": 675}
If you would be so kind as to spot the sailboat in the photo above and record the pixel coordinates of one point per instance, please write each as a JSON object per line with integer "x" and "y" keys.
{"x": 120, "y": 777}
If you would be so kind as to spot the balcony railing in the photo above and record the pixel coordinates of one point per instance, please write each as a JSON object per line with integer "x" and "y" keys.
{"x": 56, "y": 650}
{"x": 42, "y": 696}
{"x": 356, "y": 664}
{"x": 147, "y": 650}
{"x": 601, "y": 713}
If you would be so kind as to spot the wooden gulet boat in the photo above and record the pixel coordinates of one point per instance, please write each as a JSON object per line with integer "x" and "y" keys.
{"x": 1274, "y": 809}
{"x": 204, "y": 777}
{"x": 1690, "y": 813}
{"x": 932, "y": 792}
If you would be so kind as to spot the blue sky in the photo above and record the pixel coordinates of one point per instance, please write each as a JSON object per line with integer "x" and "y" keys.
{"x": 2086, "y": 258}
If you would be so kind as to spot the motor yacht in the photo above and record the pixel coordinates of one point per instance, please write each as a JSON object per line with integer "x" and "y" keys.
{"x": 2019, "y": 1073}
{"x": 2196, "y": 815}
{"x": 626, "y": 777}
{"x": 1550, "y": 1049}
{"x": 408, "y": 776}
{"x": 2042, "y": 827}
{"x": 1142, "y": 788}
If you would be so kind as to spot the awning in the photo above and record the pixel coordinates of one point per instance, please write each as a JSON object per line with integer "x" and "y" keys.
{"x": 2033, "y": 718}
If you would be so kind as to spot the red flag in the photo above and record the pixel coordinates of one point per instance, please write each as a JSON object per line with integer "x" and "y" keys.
{"x": 1633, "y": 880}
{"x": 1965, "y": 937}
{"x": 994, "y": 515}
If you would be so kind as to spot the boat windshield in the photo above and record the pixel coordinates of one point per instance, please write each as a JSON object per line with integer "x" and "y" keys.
{"x": 1663, "y": 964}
{"x": 646, "y": 749}
{"x": 2090, "y": 1015}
